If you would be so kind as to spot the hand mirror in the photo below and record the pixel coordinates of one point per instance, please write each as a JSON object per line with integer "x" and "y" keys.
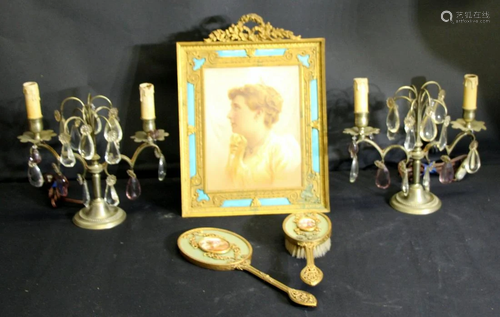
{"x": 223, "y": 250}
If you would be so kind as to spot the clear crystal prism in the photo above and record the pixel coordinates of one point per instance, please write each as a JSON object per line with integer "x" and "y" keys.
{"x": 85, "y": 193}
{"x": 443, "y": 138}
{"x": 405, "y": 184}
{"x": 112, "y": 154}
{"x": 87, "y": 147}
{"x": 473, "y": 161}
{"x": 392, "y": 120}
{"x": 439, "y": 113}
{"x": 410, "y": 138}
{"x": 35, "y": 175}
{"x": 113, "y": 127}
{"x": 133, "y": 190}
{"x": 67, "y": 157}
{"x": 75, "y": 137}
{"x": 354, "y": 169}
{"x": 428, "y": 130}
{"x": 461, "y": 171}
{"x": 426, "y": 180}
{"x": 111, "y": 196}
{"x": 162, "y": 168}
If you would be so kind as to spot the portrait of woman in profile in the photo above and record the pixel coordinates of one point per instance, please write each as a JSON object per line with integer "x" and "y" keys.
{"x": 260, "y": 158}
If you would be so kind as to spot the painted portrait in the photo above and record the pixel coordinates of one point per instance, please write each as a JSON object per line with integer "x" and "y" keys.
{"x": 252, "y": 125}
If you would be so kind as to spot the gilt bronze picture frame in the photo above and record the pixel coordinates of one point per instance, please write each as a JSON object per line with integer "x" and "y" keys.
{"x": 252, "y": 120}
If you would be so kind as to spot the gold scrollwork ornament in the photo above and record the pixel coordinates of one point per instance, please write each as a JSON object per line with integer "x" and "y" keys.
{"x": 261, "y": 32}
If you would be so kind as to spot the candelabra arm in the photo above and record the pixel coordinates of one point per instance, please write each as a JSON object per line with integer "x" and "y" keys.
{"x": 131, "y": 161}
{"x": 383, "y": 152}
{"x": 425, "y": 93}
{"x": 410, "y": 88}
{"x": 139, "y": 150}
{"x": 68, "y": 99}
{"x": 460, "y": 136}
{"x": 66, "y": 123}
{"x": 101, "y": 97}
{"x": 97, "y": 110}
{"x": 50, "y": 149}
{"x": 410, "y": 100}
{"x": 432, "y": 82}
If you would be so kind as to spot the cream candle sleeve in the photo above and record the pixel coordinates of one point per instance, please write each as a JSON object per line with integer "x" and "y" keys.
{"x": 470, "y": 92}
{"x": 32, "y": 96}
{"x": 360, "y": 95}
{"x": 147, "y": 91}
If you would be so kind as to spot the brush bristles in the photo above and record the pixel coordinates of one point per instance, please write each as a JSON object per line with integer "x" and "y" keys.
{"x": 300, "y": 252}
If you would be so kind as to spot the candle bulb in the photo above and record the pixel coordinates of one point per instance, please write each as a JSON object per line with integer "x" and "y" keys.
{"x": 360, "y": 95}
{"x": 32, "y": 96}
{"x": 147, "y": 91}
{"x": 470, "y": 92}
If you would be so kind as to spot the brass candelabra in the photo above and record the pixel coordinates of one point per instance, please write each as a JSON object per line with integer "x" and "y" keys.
{"x": 426, "y": 112}
{"x": 78, "y": 133}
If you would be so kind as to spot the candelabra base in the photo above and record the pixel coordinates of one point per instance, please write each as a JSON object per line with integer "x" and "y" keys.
{"x": 417, "y": 202}
{"x": 99, "y": 215}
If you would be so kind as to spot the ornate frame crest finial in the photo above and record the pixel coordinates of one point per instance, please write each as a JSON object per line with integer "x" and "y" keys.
{"x": 261, "y": 32}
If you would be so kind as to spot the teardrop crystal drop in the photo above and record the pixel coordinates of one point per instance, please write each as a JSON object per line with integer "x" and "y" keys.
{"x": 461, "y": 171}
{"x": 162, "y": 168}
{"x": 428, "y": 129}
{"x": 133, "y": 190}
{"x": 392, "y": 121}
{"x": 111, "y": 196}
{"x": 439, "y": 113}
{"x": 112, "y": 155}
{"x": 443, "y": 138}
{"x": 35, "y": 175}
{"x": 405, "y": 184}
{"x": 86, "y": 147}
{"x": 354, "y": 169}
{"x": 383, "y": 178}
{"x": 473, "y": 161}
{"x": 85, "y": 193}
{"x": 75, "y": 137}
{"x": 35, "y": 156}
{"x": 410, "y": 139}
{"x": 67, "y": 157}
{"x": 426, "y": 180}
{"x": 353, "y": 148}
{"x": 447, "y": 174}
{"x": 113, "y": 125}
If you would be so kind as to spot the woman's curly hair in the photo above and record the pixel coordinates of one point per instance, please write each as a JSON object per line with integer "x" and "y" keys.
{"x": 261, "y": 97}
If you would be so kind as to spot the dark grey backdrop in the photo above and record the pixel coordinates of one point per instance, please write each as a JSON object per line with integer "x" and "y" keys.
{"x": 382, "y": 263}
{"x": 110, "y": 47}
